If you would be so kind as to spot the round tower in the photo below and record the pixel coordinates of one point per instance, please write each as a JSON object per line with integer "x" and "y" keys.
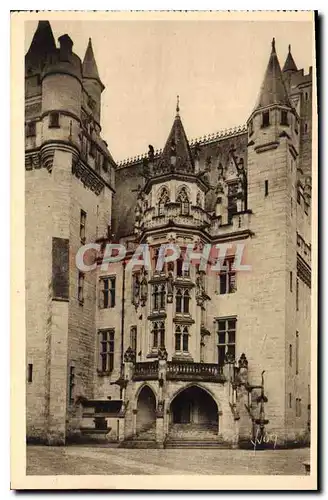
{"x": 61, "y": 81}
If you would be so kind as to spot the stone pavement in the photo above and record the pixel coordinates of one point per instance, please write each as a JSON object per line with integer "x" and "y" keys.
{"x": 47, "y": 460}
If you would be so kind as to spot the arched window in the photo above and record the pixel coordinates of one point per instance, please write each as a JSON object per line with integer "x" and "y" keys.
{"x": 163, "y": 199}
{"x": 182, "y": 300}
{"x": 181, "y": 339}
{"x": 158, "y": 334}
{"x": 178, "y": 302}
{"x": 199, "y": 200}
{"x": 178, "y": 338}
{"x": 155, "y": 297}
{"x": 179, "y": 266}
{"x": 162, "y": 294}
{"x": 183, "y": 199}
{"x": 155, "y": 335}
{"x": 162, "y": 334}
{"x": 185, "y": 340}
{"x": 186, "y": 299}
{"x": 180, "y": 271}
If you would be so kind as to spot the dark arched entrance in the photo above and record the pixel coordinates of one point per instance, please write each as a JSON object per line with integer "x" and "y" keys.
{"x": 146, "y": 409}
{"x": 193, "y": 413}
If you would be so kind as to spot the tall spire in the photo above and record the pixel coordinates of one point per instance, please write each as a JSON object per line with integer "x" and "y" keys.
{"x": 43, "y": 42}
{"x": 273, "y": 90}
{"x": 89, "y": 66}
{"x": 289, "y": 63}
{"x": 177, "y": 148}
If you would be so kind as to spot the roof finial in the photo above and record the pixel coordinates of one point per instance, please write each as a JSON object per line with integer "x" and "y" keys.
{"x": 273, "y": 45}
{"x": 178, "y": 107}
{"x": 289, "y": 48}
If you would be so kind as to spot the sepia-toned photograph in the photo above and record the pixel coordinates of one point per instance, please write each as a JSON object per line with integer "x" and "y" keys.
{"x": 169, "y": 214}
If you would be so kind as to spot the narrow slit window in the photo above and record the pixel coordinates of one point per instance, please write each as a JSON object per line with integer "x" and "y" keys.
{"x": 54, "y": 120}
{"x": 266, "y": 188}
{"x": 83, "y": 218}
{"x": 31, "y": 129}
{"x": 80, "y": 291}
{"x": 291, "y": 281}
{"x": 297, "y": 354}
{"x": 265, "y": 119}
{"x": 284, "y": 118}
{"x": 30, "y": 372}
{"x": 71, "y": 384}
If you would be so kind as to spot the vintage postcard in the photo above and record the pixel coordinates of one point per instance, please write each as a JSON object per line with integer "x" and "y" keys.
{"x": 164, "y": 222}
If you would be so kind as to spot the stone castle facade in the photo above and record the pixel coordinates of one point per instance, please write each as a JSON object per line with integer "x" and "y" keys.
{"x": 134, "y": 355}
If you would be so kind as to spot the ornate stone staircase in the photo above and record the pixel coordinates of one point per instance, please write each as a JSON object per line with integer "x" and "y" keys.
{"x": 143, "y": 439}
{"x": 193, "y": 436}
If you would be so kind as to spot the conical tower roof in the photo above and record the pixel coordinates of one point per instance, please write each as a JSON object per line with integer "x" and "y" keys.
{"x": 177, "y": 146}
{"x": 43, "y": 42}
{"x": 89, "y": 66}
{"x": 289, "y": 63}
{"x": 273, "y": 90}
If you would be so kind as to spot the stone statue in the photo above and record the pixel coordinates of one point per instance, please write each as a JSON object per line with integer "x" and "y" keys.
{"x": 151, "y": 153}
{"x": 170, "y": 280}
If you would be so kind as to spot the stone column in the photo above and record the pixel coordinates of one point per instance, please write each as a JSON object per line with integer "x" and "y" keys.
{"x": 126, "y": 415}
{"x": 245, "y": 422}
{"x": 160, "y": 427}
{"x": 228, "y": 426}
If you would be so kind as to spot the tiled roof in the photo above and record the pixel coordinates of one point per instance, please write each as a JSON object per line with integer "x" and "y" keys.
{"x": 89, "y": 66}
{"x": 273, "y": 90}
{"x": 290, "y": 64}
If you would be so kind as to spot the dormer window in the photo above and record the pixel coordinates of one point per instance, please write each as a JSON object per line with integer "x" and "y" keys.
{"x": 31, "y": 129}
{"x": 265, "y": 119}
{"x": 284, "y": 118}
{"x": 54, "y": 120}
{"x": 164, "y": 199}
{"x": 183, "y": 199}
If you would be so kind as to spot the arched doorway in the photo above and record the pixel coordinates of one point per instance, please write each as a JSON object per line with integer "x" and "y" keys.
{"x": 146, "y": 409}
{"x": 193, "y": 414}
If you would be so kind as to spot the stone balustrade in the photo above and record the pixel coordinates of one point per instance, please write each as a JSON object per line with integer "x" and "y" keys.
{"x": 197, "y": 217}
{"x": 194, "y": 371}
{"x": 180, "y": 370}
{"x": 147, "y": 370}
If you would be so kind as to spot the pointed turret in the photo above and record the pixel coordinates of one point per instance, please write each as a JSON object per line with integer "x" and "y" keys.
{"x": 89, "y": 66}
{"x": 273, "y": 90}
{"x": 42, "y": 44}
{"x": 176, "y": 152}
{"x": 289, "y": 63}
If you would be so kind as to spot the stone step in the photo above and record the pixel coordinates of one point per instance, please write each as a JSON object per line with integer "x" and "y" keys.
{"x": 139, "y": 443}
{"x": 193, "y": 431}
{"x": 202, "y": 444}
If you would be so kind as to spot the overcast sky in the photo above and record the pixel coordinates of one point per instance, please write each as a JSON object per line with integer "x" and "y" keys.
{"x": 215, "y": 66}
